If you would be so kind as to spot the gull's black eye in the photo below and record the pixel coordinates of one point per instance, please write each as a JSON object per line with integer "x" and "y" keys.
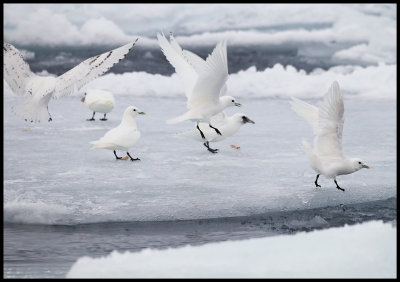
{"x": 359, "y": 162}
{"x": 134, "y": 110}
{"x": 233, "y": 101}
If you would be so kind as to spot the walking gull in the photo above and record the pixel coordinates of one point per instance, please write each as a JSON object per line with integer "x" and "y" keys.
{"x": 227, "y": 125}
{"x": 204, "y": 81}
{"x": 40, "y": 89}
{"x": 122, "y": 137}
{"x": 327, "y": 156}
{"x": 99, "y": 101}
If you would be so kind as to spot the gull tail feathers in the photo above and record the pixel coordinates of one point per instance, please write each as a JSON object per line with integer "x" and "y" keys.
{"x": 99, "y": 144}
{"x": 32, "y": 110}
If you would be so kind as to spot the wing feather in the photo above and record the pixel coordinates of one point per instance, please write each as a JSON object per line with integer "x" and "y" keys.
{"x": 16, "y": 71}
{"x": 88, "y": 70}
{"x": 198, "y": 63}
{"x": 219, "y": 119}
{"x": 328, "y": 141}
{"x": 306, "y": 111}
{"x": 212, "y": 79}
{"x": 174, "y": 54}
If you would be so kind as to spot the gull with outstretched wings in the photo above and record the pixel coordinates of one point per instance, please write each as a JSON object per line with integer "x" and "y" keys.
{"x": 39, "y": 89}
{"x": 327, "y": 121}
{"x": 204, "y": 81}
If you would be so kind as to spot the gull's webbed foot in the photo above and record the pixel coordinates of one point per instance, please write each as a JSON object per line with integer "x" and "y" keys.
{"x": 92, "y": 117}
{"x": 132, "y": 159}
{"x": 118, "y": 158}
{"x": 207, "y": 145}
{"x": 337, "y": 186}
{"x": 316, "y": 182}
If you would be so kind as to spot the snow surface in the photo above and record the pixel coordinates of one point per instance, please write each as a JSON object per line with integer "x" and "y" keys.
{"x": 371, "y": 82}
{"x": 365, "y": 250}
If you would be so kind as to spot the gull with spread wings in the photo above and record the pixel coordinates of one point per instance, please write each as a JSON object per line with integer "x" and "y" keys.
{"x": 40, "y": 89}
{"x": 327, "y": 121}
{"x": 204, "y": 81}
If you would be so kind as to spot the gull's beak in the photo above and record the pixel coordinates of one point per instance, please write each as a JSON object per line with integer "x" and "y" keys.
{"x": 83, "y": 99}
{"x": 141, "y": 113}
{"x": 365, "y": 166}
{"x": 247, "y": 120}
{"x": 238, "y": 104}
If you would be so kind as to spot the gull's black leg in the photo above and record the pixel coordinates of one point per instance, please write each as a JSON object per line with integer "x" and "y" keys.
{"x": 216, "y": 129}
{"x": 92, "y": 117}
{"x": 132, "y": 159}
{"x": 316, "y": 182}
{"x": 207, "y": 144}
{"x": 118, "y": 158}
{"x": 337, "y": 186}
{"x": 201, "y": 132}
{"x": 104, "y": 118}
{"x": 50, "y": 119}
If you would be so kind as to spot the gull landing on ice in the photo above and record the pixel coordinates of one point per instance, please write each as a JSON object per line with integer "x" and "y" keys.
{"x": 327, "y": 121}
{"x": 204, "y": 82}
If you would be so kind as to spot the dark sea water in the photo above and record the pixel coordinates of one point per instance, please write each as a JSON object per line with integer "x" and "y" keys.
{"x": 50, "y": 250}
{"x": 57, "y": 60}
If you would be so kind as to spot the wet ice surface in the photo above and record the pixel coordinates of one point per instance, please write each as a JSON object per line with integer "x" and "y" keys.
{"x": 52, "y": 177}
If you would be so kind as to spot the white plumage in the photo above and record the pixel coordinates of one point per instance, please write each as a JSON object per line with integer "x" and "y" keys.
{"x": 39, "y": 89}
{"x": 122, "y": 137}
{"x": 227, "y": 125}
{"x": 100, "y": 101}
{"x": 204, "y": 80}
{"x": 327, "y": 121}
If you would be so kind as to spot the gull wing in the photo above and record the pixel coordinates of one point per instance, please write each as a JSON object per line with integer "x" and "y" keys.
{"x": 174, "y": 54}
{"x": 219, "y": 119}
{"x": 88, "y": 70}
{"x": 212, "y": 78}
{"x": 16, "y": 71}
{"x": 306, "y": 111}
{"x": 198, "y": 63}
{"x": 328, "y": 141}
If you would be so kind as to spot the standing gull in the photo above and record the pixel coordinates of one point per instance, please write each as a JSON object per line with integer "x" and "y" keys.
{"x": 327, "y": 156}
{"x": 40, "y": 89}
{"x": 227, "y": 125}
{"x": 204, "y": 81}
{"x": 122, "y": 137}
{"x": 99, "y": 101}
